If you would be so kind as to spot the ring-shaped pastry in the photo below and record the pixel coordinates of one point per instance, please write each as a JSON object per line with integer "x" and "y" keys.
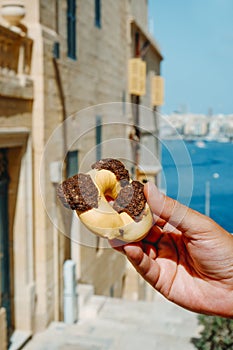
{"x": 108, "y": 202}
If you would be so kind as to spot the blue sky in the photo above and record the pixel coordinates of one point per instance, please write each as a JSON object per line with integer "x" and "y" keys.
{"x": 196, "y": 40}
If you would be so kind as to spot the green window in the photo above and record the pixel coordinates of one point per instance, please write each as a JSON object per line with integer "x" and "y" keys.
{"x": 98, "y": 13}
{"x": 98, "y": 137}
{"x": 71, "y": 29}
{"x": 72, "y": 163}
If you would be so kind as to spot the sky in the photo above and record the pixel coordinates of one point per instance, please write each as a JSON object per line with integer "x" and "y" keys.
{"x": 196, "y": 41}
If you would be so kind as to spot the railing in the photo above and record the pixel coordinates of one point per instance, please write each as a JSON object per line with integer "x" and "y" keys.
{"x": 15, "y": 52}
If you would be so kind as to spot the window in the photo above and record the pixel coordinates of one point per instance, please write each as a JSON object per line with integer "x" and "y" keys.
{"x": 98, "y": 137}
{"x": 71, "y": 28}
{"x": 72, "y": 163}
{"x": 111, "y": 292}
{"x": 123, "y": 99}
{"x": 98, "y": 13}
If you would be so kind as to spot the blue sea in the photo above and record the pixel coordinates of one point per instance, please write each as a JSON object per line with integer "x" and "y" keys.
{"x": 200, "y": 174}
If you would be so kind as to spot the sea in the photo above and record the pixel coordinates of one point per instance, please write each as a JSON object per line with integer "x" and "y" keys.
{"x": 199, "y": 174}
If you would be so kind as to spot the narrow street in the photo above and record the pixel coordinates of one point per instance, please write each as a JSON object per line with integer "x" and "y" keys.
{"x": 116, "y": 324}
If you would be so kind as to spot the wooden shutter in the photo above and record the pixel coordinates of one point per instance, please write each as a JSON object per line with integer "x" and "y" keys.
{"x": 137, "y": 76}
{"x": 157, "y": 91}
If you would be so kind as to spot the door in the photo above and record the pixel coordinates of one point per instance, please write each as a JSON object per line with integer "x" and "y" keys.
{"x": 4, "y": 239}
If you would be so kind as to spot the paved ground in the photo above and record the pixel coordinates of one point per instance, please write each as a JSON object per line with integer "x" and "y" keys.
{"x": 116, "y": 324}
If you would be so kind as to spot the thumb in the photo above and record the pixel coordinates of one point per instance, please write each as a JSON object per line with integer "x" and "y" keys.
{"x": 170, "y": 210}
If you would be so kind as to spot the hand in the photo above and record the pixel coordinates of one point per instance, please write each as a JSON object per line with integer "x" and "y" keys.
{"x": 186, "y": 256}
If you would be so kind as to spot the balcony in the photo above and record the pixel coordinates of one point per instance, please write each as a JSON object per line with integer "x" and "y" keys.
{"x": 15, "y": 64}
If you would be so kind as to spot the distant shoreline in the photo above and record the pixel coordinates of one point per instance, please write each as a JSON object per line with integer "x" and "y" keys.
{"x": 198, "y": 138}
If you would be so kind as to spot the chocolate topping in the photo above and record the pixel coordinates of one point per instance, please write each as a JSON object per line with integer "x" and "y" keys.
{"x": 78, "y": 193}
{"x": 131, "y": 199}
{"x": 116, "y": 167}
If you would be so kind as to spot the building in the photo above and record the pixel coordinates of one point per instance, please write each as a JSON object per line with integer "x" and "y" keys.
{"x": 192, "y": 126}
{"x": 16, "y": 224}
{"x": 61, "y": 59}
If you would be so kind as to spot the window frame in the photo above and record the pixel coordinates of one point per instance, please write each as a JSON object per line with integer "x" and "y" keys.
{"x": 98, "y": 137}
{"x": 71, "y": 29}
{"x": 98, "y": 13}
{"x": 72, "y": 163}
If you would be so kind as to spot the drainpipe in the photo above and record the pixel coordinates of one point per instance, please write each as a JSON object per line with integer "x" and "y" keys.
{"x": 55, "y": 171}
{"x": 64, "y": 114}
{"x": 63, "y": 104}
{"x": 70, "y": 294}
{"x": 136, "y": 114}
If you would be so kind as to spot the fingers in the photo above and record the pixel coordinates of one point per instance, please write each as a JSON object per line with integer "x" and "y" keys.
{"x": 158, "y": 221}
{"x": 117, "y": 245}
{"x": 150, "y": 250}
{"x": 170, "y": 210}
{"x": 144, "y": 264}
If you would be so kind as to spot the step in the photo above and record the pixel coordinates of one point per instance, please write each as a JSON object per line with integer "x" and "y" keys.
{"x": 95, "y": 338}
{"x": 85, "y": 292}
{"x": 91, "y": 309}
{"x": 113, "y": 324}
{"x": 19, "y": 339}
{"x": 166, "y": 316}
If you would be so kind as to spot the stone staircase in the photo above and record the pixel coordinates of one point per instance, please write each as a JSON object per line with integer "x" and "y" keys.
{"x": 117, "y": 324}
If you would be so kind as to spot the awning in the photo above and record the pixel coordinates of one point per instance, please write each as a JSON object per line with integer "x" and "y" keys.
{"x": 153, "y": 44}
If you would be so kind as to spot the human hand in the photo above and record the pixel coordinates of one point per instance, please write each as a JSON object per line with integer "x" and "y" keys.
{"x": 186, "y": 256}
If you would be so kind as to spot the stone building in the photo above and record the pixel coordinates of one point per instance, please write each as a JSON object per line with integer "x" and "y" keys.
{"x": 64, "y": 102}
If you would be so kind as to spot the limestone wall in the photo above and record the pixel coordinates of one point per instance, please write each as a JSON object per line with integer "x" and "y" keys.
{"x": 56, "y": 89}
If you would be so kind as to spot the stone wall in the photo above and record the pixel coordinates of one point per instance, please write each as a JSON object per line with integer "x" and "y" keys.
{"x": 63, "y": 87}
{"x": 97, "y": 76}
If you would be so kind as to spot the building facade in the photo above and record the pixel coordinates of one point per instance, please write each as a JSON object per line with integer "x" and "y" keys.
{"x": 64, "y": 102}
